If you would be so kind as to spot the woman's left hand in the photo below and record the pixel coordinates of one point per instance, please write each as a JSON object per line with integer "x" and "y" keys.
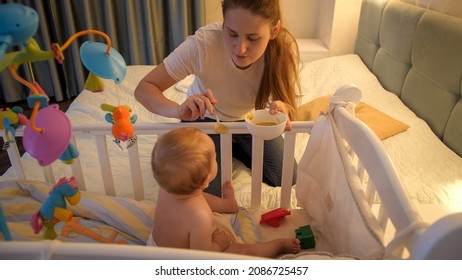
{"x": 279, "y": 106}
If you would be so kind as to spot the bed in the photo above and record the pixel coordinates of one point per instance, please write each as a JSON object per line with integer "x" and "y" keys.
{"x": 415, "y": 197}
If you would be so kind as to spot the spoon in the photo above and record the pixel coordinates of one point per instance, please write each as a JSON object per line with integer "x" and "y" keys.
{"x": 219, "y": 127}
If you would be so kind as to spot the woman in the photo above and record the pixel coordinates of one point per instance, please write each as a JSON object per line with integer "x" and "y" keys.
{"x": 250, "y": 61}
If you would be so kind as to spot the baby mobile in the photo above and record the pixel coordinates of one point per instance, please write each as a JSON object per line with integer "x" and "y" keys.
{"x": 48, "y": 132}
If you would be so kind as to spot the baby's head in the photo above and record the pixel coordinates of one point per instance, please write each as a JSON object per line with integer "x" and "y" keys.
{"x": 184, "y": 160}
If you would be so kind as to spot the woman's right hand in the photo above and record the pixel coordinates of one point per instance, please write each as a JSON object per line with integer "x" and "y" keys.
{"x": 195, "y": 106}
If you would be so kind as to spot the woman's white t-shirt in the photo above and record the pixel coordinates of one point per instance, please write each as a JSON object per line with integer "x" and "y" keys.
{"x": 204, "y": 55}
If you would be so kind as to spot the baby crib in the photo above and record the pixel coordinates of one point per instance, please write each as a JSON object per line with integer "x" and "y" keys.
{"x": 402, "y": 234}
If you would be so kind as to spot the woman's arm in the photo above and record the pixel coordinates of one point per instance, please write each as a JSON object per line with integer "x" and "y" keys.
{"x": 149, "y": 92}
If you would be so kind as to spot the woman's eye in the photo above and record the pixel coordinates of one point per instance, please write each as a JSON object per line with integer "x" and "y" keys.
{"x": 254, "y": 38}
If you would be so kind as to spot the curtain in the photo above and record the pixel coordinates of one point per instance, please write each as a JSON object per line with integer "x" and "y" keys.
{"x": 143, "y": 31}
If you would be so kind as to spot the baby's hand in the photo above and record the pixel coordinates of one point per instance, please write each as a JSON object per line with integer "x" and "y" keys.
{"x": 229, "y": 200}
{"x": 221, "y": 238}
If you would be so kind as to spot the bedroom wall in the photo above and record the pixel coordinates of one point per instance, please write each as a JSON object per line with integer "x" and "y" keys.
{"x": 333, "y": 22}
{"x": 300, "y": 16}
{"x": 313, "y": 19}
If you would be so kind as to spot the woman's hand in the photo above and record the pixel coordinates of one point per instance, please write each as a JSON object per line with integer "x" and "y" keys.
{"x": 279, "y": 106}
{"x": 195, "y": 106}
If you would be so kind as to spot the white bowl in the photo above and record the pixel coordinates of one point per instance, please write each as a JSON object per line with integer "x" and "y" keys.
{"x": 264, "y": 125}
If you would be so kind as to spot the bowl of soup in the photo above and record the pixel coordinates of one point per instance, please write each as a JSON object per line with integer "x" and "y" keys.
{"x": 264, "y": 125}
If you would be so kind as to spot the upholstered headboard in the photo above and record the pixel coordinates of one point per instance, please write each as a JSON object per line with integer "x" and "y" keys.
{"x": 417, "y": 54}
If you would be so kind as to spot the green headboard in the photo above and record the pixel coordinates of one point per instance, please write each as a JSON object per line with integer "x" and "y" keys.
{"x": 417, "y": 54}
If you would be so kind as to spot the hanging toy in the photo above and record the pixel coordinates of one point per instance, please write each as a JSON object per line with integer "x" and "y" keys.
{"x": 94, "y": 83}
{"x": 54, "y": 209}
{"x": 48, "y": 132}
{"x": 10, "y": 121}
{"x": 122, "y": 123}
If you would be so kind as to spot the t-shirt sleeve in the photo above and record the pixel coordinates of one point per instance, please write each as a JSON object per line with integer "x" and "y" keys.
{"x": 183, "y": 60}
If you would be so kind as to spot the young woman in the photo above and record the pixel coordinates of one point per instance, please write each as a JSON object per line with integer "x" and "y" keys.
{"x": 250, "y": 61}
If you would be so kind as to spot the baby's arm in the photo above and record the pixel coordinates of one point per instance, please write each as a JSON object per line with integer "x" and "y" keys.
{"x": 222, "y": 239}
{"x": 203, "y": 236}
{"x": 225, "y": 204}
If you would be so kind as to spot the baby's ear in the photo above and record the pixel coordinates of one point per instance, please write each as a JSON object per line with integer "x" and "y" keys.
{"x": 206, "y": 182}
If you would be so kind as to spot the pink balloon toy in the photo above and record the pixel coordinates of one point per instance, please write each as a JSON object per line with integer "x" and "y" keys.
{"x": 49, "y": 145}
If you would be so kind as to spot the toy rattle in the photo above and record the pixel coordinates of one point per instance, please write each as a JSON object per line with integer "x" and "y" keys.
{"x": 54, "y": 208}
{"x": 122, "y": 123}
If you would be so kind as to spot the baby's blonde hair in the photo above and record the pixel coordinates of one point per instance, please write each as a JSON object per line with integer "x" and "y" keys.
{"x": 180, "y": 161}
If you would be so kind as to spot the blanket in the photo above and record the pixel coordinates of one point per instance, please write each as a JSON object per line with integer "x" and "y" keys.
{"x": 100, "y": 218}
{"x": 97, "y": 218}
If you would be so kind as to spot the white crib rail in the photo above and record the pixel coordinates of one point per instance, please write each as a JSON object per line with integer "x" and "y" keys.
{"x": 396, "y": 214}
{"x": 102, "y": 131}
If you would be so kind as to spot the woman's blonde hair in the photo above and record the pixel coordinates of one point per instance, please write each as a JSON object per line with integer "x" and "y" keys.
{"x": 280, "y": 77}
{"x": 180, "y": 161}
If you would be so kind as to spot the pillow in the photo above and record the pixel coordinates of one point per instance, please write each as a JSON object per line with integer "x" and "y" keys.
{"x": 382, "y": 124}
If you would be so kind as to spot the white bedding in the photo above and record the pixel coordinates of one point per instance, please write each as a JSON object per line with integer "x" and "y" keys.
{"x": 430, "y": 171}
{"x": 430, "y": 175}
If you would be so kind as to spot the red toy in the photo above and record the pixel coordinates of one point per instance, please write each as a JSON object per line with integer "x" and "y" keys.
{"x": 274, "y": 217}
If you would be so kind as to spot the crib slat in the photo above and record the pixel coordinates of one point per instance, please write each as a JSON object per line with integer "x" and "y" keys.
{"x": 257, "y": 172}
{"x": 15, "y": 159}
{"x": 288, "y": 167}
{"x": 226, "y": 157}
{"x": 370, "y": 192}
{"x": 135, "y": 170}
{"x": 106, "y": 172}
{"x": 76, "y": 168}
{"x": 382, "y": 218}
{"x": 48, "y": 174}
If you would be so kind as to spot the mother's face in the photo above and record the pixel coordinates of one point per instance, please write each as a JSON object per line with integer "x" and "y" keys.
{"x": 246, "y": 36}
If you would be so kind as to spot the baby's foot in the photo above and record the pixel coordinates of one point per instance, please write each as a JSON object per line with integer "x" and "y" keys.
{"x": 227, "y": 192}
{"x": 290, "y": 246}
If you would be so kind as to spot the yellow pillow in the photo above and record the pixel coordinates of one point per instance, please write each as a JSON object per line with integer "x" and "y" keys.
{"x": 382, "y": 124}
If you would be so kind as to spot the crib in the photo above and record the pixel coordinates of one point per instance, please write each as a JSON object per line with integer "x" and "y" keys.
{"x": 409, "y": 237}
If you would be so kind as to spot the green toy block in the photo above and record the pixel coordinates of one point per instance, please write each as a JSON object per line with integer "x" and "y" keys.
{"x": 306, "y": 237}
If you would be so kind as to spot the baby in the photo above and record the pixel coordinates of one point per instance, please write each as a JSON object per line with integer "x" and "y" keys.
{"x": 183, "y": 163}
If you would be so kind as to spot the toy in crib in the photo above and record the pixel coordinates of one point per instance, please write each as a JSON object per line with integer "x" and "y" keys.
{"x": 47, "y": 134}
{"x": 54, "y": 208}
{"x": 274, "y": 217}
{"x": 10, "y": 120}
{"x": 306, "y": 237}
{"x": 122, "y": 123}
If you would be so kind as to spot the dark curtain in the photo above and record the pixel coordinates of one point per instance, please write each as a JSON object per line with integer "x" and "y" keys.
{"x": 143, "y": 31}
